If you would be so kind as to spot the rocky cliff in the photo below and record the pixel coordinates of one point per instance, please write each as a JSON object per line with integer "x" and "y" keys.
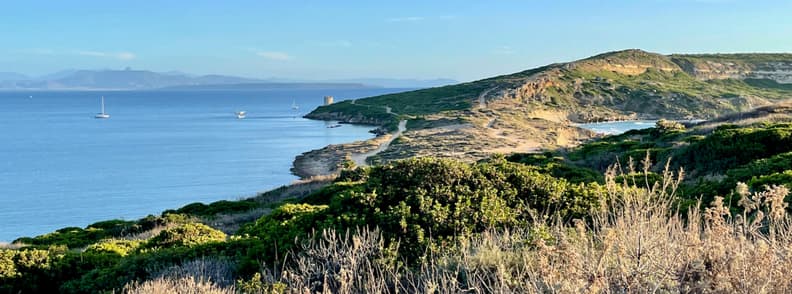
{"x": 776, "y": 67}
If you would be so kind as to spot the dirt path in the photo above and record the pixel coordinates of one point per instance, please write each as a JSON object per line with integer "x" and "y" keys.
{"x": 481, "y": 98}
{"x": 360, "y": 158}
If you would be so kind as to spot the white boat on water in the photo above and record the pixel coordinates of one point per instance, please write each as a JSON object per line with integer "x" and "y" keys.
{"x": 241, "y": 114}
{"x": 294, "y": 105}
{"x": 102, "y": 115}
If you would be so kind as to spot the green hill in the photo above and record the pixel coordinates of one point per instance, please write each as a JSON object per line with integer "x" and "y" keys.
{"x": 630, "y": 83}
{"x": 536, "y": 109}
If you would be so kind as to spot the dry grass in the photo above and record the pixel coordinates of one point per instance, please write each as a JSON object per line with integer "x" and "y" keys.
{"x": 187, "y": 285}
{"x": 203, "y": 275}
{"x": 230, "y": 223}
{"x": 145, "y": 235}
{"x": 4, "y": 245}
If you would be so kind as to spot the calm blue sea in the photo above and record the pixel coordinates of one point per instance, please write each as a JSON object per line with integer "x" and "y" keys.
{"x": 159, "y": 150}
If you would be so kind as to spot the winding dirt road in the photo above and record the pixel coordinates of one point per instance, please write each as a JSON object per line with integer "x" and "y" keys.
{"x": 360, "y": 158}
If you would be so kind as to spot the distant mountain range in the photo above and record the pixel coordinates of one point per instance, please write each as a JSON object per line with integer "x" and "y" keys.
{"x": 382, "y": 82}
{"x": 143, "y": 80}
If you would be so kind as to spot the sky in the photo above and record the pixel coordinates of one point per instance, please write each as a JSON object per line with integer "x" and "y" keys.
{"x": 462, "y": 40}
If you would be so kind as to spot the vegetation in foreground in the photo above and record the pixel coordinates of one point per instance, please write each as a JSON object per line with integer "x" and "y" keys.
{"x": 558, "y": 221}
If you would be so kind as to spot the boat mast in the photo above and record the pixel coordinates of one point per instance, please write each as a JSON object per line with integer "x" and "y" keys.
{"x": 102, "y": 104}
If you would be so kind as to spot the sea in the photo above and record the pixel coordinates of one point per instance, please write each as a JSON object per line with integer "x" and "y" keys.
{"x": 61, "y": 167}
{"x": 618, "y": 127}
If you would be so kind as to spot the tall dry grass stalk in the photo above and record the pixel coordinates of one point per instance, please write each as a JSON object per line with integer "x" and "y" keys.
{"x": 202, "y": 275}
{"x": 637, "y": 243}
{"x": 185, "y": 285}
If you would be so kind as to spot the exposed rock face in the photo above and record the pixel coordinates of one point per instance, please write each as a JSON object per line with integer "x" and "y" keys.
{"x": 717, "y": 69}
{"x": 709, "y": 70}
{"x": 628, "y": 62}
{"x": 780, "y": 72}
{"x": 533, "y": 89}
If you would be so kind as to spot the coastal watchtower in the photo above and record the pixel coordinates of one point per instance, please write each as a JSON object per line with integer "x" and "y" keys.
{"x": 328, "y": 100}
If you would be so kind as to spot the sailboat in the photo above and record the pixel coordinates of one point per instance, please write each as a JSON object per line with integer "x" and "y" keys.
{"x": 102, "y": 114}
{"x": 294, "y": 105}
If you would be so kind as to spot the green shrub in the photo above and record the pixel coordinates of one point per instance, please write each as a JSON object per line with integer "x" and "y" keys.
{"x": 120, "y": 247}
{"x": 773, "y": 164}
{"x": 782, "y": 178}
{"x": 218, "y": 207}
{"x": 189, "y": 234}
{"x": 74, "y": 237}
{"x": 278, "y": 230}
{"x": 7, "y": 264}
{"x": 729, "y": 147}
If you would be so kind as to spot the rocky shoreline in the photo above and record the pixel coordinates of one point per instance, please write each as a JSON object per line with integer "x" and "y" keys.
{"x": 331, "y": 159}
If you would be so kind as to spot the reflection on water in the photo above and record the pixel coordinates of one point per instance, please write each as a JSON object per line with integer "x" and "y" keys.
{"x": 618, "y": 127}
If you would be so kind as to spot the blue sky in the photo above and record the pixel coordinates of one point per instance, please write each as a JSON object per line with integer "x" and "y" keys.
{"x": 463, "y": 40}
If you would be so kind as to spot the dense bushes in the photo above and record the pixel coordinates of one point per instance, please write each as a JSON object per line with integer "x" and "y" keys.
{"x": 217, "y": 207}
{"x": 557, "y": 166}
{"x": 774, "y": 164}
{"x": 189, "y": 234}
{"x": 120, "y": 247}
{"x": 729, "y": 147}
{"x": 74, "y": 237}
{"x": 415, "y": 199}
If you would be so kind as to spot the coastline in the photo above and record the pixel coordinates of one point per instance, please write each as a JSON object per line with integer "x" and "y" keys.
{"x": 329, "y": 159}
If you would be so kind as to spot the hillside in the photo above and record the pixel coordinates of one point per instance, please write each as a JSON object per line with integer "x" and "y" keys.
{"x": 630, "y": 83}
{"x": 536, "y": 109}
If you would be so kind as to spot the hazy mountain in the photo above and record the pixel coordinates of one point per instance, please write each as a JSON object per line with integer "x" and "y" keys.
{"x": 129, "y": 79}
{"x": 269, "y": 86}
{"x": 56, "y": 75}
{"x": 12, "y": 76}
{"x": 400, "y": 83}
{"x": 121, "y": 79}
{"x": 380, "y": 82}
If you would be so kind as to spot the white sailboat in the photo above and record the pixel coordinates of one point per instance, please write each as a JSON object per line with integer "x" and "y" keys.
{"x": 102, "y": 115}
{"x": 294, "y": 105}
{"x": 241, "y": 114}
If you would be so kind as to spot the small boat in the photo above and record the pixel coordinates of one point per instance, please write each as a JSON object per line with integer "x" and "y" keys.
{"x": 333, "y": 126}
{"x": 240, "y": 114}
{"x": 294, "y": 105}
{"x": 102, "y": 115}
